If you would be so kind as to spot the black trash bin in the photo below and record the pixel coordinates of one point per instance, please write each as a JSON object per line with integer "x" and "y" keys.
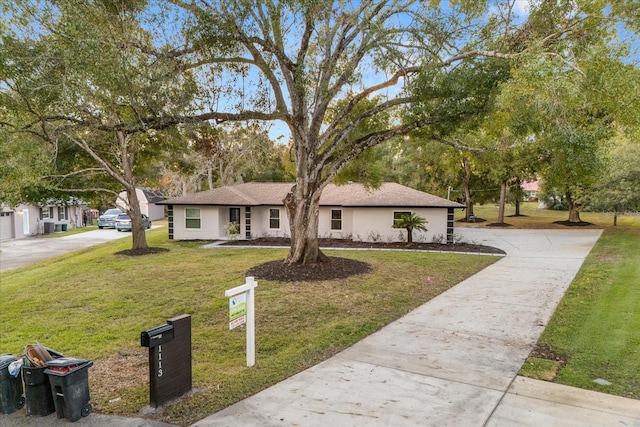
{"x": 11, "y": 398}
{"x": 37, "y": 389}
{"x": 69, "y": 380}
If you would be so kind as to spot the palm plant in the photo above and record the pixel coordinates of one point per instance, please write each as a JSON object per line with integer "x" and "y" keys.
{"x": 410, "y": 222}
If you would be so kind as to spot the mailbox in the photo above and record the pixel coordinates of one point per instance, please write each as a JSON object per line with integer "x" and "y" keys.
{"x": 169, "y": 359}
{"x": 156, "y": 336}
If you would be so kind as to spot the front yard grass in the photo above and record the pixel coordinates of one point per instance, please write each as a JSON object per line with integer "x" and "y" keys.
{"x": 535, "y": 218}
{"x": 596, "y": 326}
{"x": 94, "y": 304}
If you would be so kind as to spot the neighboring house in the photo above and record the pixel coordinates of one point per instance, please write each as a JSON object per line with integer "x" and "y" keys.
{"x": 348, "y": 211}
{"x": 530, "y": 189}
{"x": 28, "y": 220}
{"x": 148, "y": 202}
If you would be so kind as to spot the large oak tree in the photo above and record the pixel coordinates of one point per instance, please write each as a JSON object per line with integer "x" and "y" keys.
{"x": 297, "y": 61}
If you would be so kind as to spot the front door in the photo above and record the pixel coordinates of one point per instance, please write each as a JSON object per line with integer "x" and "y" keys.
{"x": 25, "y": 222}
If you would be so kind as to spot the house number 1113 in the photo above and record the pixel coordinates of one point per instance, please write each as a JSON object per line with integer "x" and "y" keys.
{"x": 159, "y": 360}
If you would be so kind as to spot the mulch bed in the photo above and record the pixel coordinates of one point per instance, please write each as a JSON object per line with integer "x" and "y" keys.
{"x": 336, "y": 267}
{"x": 332, "y": 269}
{"x": 141, "y": 252}
{"x": 349, "y": 244}
{"x": 543, "y": 350}
{"x": 573, "y": 224}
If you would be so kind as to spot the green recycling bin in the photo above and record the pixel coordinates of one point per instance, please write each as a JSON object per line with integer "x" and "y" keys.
{"x": 11, "y": 398}
{"x": 69, "y": 380}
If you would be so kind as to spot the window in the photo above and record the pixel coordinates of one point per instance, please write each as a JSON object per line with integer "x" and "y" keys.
{"x": 274, "y": 218}
{"x": 61, "y": 213}
{"x": 46, "y": 213}
{"x": 398, "y": 216}
{"x": 234, "y": 215}
{"x": 336, "y": 219}
{"x": 192, "y": 218}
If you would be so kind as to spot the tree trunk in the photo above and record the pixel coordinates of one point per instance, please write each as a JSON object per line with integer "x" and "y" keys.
{"x": 409, "y": 236}
{"x": 210, "y": 177}
{"x": 303, "y": 208}
{"x": 503, "y": 201}
{"x": 127, "y": 155}
{"x": 466, "y": 167}
{"x": 517, "y": 195}
{"x": 574, "y": 214}
{"x": 138, "y": 233}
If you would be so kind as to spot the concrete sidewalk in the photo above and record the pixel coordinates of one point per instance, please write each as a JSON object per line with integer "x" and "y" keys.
{"x": 453, "y": 361}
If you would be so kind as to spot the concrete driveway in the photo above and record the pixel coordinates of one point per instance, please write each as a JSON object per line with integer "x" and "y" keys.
{"x": 20, "y": 252}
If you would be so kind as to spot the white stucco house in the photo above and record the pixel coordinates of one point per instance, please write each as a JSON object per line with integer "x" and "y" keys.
{"x": 29, "y": 220}
{"x": 349, "y": 211}
{"x": 148, "y": 199}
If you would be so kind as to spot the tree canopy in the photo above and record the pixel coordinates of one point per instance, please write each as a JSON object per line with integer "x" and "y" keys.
{"x": 342, "y": 76}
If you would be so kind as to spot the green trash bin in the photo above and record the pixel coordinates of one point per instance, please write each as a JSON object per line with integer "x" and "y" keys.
{"x": 69, "y": 380}
{"x": 63, "y": 226}
{"x": 11, "y": 398}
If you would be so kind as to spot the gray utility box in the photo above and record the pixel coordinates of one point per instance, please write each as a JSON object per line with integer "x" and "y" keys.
{"x": 49, "y": 227}
{"x": 169, "y": 359}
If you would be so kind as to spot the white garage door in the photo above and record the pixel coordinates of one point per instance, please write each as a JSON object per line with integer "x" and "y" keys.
{"x": 6, "y": 225}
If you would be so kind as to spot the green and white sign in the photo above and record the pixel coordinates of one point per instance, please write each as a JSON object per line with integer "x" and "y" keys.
{"x": 242, "y": 310}
{"x": 237, "y": 310}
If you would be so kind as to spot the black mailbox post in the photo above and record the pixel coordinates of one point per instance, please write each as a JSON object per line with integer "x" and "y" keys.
{"x": 169, "y": 359}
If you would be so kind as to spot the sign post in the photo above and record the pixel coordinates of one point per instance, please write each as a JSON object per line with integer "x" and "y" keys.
{"x": 241, "y": 311}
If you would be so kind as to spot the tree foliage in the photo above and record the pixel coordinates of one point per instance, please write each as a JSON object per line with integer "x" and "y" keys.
{"x": 619, "y": 190}
{"x": 316, "y": 65}
{"x": 76, "y": 82}
{"x": 342, "y": 76}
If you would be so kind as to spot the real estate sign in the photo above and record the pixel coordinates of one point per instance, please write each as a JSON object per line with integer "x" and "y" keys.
{"x": 237, "y": 310}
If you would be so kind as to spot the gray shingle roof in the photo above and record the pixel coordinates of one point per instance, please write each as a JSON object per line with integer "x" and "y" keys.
{"x": 153, "y": 196}
{"x": 348, "y": 195}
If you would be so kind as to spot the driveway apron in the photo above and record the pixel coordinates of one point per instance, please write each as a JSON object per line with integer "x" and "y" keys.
{"x": 452, "y": 361}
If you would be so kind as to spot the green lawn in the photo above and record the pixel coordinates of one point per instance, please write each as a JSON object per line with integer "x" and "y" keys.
{"x": 94, "y": 304}
{"x": 597, "y": 324}
{"x": 543, "y": 218}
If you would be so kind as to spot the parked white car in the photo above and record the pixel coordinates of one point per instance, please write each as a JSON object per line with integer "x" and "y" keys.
{"x": 108, "y": 218}
{"x": 123, "y": 222}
